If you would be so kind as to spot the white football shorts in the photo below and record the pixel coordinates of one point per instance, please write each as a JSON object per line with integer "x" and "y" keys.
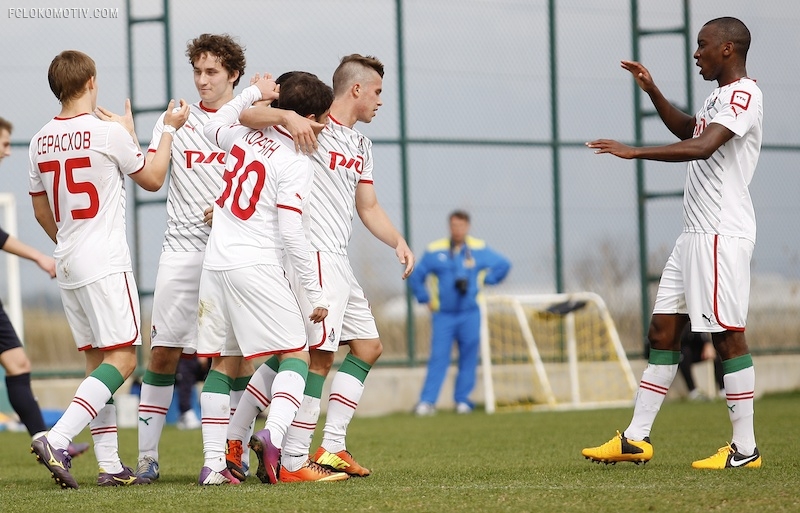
{"x": 349, "y": 315}
{"x": 708, "y": 277}
{"x": 250, "y": 312}
{"x": 174, "y": 317}
{"x": 104, "y": 314}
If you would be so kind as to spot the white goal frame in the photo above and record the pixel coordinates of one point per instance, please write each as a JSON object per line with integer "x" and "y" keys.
{"x": 13, "y": 293}
{"x": 551, "y": 402}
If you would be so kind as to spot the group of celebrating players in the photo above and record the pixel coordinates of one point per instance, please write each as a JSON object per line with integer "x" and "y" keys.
{"x": 272, "y": 279}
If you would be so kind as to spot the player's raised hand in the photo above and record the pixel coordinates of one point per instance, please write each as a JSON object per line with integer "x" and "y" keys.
{"x": 125, "y": 120}
{"x": 640, "y": 73}
{"x": 612, "y": 147}
{"x": 176, "y": 116}
{"x": 406, "y": 258}
{"x": 269, "y": 89}
{"x": 303, "y": 131}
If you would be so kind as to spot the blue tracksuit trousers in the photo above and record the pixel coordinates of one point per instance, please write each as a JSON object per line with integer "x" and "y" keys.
{"x": 463, "y": 328}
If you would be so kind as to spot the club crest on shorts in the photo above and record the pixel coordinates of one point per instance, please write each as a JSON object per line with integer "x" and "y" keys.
{"x": 332, "y": 336}
{"x": 153, "y": 332}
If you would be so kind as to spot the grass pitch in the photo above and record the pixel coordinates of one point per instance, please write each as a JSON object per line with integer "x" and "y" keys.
{"x": 514, "y": 462}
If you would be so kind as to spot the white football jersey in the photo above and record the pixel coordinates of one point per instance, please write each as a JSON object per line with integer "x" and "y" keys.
{"x": 342, "y": 160}
{"x": 263, "y": 176}
{"x": 716, "y": 197}
{"x": 194, "y": 181}
{"x": 80, "y": 164}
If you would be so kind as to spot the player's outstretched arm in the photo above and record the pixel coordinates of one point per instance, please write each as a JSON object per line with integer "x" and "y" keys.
{"x": 22, "y": 250}
{"x": 698, "y": 148}
{"x": 378, "y": 223}
{"x": 677, "y": 121}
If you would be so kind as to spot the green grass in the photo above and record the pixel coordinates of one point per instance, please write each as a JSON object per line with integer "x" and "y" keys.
{"x": 504, "y": 462}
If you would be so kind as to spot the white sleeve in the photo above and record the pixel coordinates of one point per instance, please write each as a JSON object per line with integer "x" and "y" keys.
{"x": 158, "y": 129}
{"x": 222, "y": 128}
{"x": 295, "y": 239}
{"x": 122, "y": 150}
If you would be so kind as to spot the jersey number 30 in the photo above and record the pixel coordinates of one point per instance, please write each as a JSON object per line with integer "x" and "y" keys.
{"x": 229, "y": 176}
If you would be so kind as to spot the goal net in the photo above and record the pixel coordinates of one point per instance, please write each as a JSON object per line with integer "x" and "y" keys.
{"x": 552, "y": 351}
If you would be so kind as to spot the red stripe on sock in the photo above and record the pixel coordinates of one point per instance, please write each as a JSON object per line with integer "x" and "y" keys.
{"x": 304, "y": 425}
{"x": 83, "y": 403}
{"x": 653, "y": 388}
{"x": 148, "y": 408}
{"x": 344, "y": 400}
{"x": 261, "y": 398}
{"x": 287, "y": 397}
{"x": 103, "y": 430}
{"x": 739, "y": 397}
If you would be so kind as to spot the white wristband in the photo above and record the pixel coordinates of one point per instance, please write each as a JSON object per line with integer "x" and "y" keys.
{"x": 169, "y": 129}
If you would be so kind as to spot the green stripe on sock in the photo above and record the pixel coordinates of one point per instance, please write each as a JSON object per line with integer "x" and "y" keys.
{"x": 218, "y": 383}
{"x": 109, "y": 375}
{"x": 294, "y": 364}
{"x": 660, "y": 357}
{"x": 240, "y": 383}
{"x": 273, "y": 363}
{"x": 737, "y": 364}
{"x": 158, "y": 380}
{"x": 356, "y": 367}
{"x": 314, "y": 384}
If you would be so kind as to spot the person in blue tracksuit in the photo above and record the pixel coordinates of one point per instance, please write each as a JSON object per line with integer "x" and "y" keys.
{"x": 449, "y": 279}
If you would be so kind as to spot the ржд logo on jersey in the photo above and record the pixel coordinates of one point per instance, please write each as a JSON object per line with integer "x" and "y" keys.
{"x": 338, "y": 159}
{"x": 198, "y": 157}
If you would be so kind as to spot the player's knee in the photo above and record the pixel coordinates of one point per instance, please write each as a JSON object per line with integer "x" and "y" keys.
{"x": 164, "y": 360}
{"x": 367, "y": 350}
{"x": 320, "y": 362}
{"x": 730, "y": 344}
{"x": 15, "y": 362}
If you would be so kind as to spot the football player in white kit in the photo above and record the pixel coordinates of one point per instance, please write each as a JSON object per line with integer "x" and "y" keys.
{"x": 247, "y": 305}
{"x": 78, "y": 165}
{"x": 706, "y": 280}
{"x": 343, "y": 185}
{"x": 218, "y": 62}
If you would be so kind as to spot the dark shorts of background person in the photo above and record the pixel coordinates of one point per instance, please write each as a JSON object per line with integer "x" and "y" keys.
{"x": 8, "y": 336}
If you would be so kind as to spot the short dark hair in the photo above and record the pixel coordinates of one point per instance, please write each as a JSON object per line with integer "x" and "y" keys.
{"x": 732, "y": 29}
{"x": 459, "y": 214}
{"x": 6, "y": 125}
{"x": 228, "y": 51}
{"x": 305, "y": 94}
{"x": 283, "y": 78}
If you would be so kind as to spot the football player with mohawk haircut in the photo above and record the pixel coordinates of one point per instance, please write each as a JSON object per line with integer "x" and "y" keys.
{"x": 343, "y": 185}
